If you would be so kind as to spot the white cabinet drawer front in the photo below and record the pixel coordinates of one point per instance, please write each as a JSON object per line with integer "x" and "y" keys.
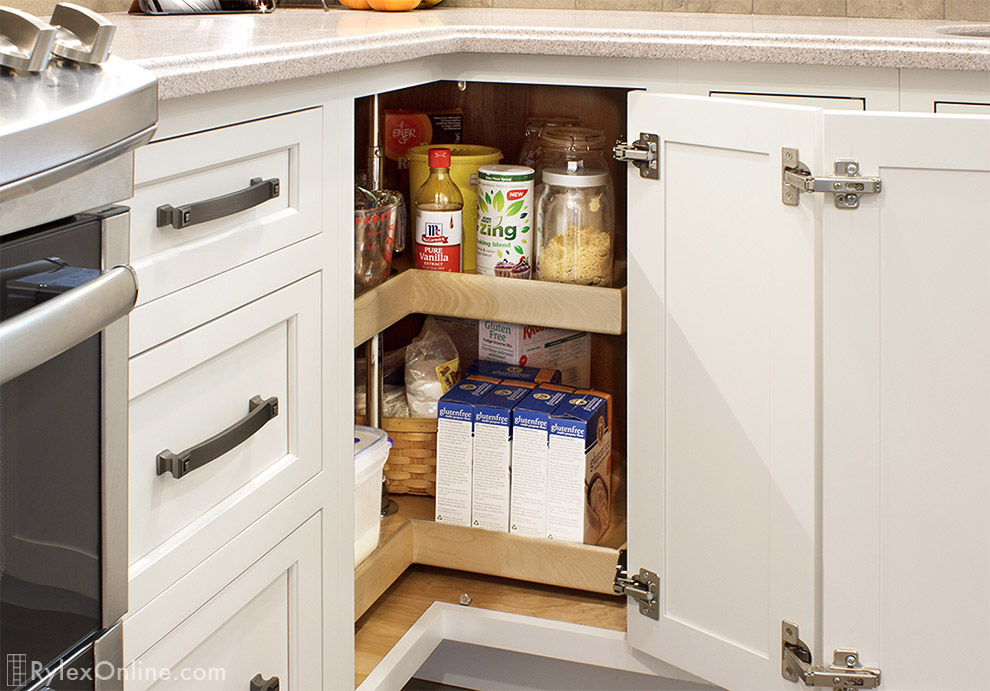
{"x": 198, "y": 385}
{"x": 954, "y": 108}
{"x": 830, "y": 102}
{"x": 937, "y": 91}
{"x": 258, "y": 624}
{"x": 199, "y": 167}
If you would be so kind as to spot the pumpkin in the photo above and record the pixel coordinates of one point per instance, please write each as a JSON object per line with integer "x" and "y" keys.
{"x": 393, "y": 5}
{"x": 356, "y": 4}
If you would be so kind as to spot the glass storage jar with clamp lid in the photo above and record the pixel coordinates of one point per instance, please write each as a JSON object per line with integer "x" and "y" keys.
{"x": 566, "y": 143}
{"x": 575, "y": 226}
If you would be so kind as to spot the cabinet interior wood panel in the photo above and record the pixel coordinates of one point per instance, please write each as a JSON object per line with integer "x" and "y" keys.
{"x": 495, "y": 115}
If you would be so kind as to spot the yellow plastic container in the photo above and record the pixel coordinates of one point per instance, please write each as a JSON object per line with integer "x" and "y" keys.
{"x": 465, "y": 159}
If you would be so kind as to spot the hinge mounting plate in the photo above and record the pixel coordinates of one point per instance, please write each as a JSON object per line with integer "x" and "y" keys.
{"x": 844, "y": 674}
{"x": 847, "y": 185}
{"x": 644, "y": 153}
{"x": 644, "y": 587}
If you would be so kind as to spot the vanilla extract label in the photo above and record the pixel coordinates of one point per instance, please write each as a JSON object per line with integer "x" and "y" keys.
{"x": 438, "y": 240}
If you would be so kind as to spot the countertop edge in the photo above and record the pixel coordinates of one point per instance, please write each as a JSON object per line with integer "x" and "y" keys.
{"x": 206, "y": 72}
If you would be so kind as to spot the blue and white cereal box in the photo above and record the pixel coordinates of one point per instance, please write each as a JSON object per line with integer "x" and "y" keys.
{"x": 530, "y": 453}
{"x": 501, "y": 370}
{"x": 493, "y": 453}
{"x": 455, "y": 446}
{"x": 538, "y": 346}
{"x": 578, "y": 468}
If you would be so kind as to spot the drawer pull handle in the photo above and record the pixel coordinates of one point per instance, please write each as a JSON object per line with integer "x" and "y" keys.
{"x": 260, "y": 411}
{"x": 257, "y": 192}
{"x": 259, "y": 683}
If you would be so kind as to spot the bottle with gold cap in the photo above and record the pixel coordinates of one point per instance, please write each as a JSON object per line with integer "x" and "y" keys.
{"x": 439, "y": 209}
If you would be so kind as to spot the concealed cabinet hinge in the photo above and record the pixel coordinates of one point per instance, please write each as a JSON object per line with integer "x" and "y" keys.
{"x": 847, "y": 185}
{"x": 644, "y": 153}
{"x": 644, "y": 588}
{"x": 844, "y": 674}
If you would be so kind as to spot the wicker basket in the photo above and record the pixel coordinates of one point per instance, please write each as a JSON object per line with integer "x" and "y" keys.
{"x": 412, "y": 461}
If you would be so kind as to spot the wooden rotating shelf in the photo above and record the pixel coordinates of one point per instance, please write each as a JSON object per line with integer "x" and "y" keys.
{"x": 410, "y": 537}
{"x": 558, "y": 305}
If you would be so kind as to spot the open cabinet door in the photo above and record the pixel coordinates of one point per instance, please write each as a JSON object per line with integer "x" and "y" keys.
{"x": 723, "y": 333}
{"x": 906, "y": 403}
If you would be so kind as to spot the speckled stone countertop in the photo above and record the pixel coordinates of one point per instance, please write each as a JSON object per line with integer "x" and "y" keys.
{"x": 200, "y": 54}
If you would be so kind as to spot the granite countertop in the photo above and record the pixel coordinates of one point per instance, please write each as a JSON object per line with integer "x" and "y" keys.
{"x": 205, "y": 53}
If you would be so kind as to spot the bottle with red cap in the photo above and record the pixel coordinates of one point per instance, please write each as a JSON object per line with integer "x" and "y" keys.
{"x": 439, "y": 208}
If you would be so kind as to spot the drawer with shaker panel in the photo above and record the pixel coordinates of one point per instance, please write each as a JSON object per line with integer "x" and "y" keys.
{"x": 224, "y": 424}
{"x": 207, "y": 202}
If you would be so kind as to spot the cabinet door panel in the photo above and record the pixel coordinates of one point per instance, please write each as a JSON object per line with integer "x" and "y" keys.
{"x": 723, "y": 315}
{"x": 907, "y": 401}
{"x": 197, "y": 385}
{"x": 266, "y": 621}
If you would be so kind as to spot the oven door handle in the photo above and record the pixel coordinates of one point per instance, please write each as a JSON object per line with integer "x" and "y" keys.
{"x": 36, "y": 336}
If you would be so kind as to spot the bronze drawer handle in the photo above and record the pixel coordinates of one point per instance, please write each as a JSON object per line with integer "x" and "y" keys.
{"x": 257, "y": 192}
{"x": 260, "y": 411}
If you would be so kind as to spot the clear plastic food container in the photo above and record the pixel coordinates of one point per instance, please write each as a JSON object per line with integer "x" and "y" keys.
{"x": 371, "y": 448}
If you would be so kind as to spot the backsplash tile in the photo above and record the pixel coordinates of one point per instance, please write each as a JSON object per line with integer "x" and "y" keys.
{"x": 650, "y": 5}
{"x": 815, "y": 8}
{"x": 896, "y": 9}
{"x": 538, "y": 4}
{"x": 724, "y": 6}
{"x": 965, "y": 10}
{"x": 44, "y": 8}
{"x": 968, "y": 10}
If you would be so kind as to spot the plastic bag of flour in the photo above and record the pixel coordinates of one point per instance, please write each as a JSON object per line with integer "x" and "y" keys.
{"x": 432, "y": 369}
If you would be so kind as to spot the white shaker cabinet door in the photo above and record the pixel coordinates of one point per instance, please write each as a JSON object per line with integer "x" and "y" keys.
{"x": 906, "y": 473}
{"x": 723, "y": 315}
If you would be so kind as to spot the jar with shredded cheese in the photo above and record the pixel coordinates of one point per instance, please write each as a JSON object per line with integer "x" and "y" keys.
{"x": 574, "y": 226}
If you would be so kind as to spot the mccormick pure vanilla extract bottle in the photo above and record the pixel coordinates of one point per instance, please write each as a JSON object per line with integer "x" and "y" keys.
{"x": 439, "y": 223}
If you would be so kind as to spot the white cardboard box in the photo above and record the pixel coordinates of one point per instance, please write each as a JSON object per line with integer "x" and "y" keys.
{"x": 538, "y": 346}
{"x": 578, "y": 468}
{"x": 530, "y": 452}
{"x": 493, "y": 454}
{"x": 455, "y": 448}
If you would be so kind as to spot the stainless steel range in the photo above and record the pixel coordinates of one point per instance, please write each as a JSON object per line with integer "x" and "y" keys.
{"x": 70, "y": 118}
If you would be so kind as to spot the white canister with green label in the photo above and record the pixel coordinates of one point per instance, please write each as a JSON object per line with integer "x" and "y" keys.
{"x": 505, "y": 221}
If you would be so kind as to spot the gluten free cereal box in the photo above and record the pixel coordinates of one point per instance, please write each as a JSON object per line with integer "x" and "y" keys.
{"x": 578, "y": 491}
{"x": 455, "y": 446}
{"x": 493, "y": 453}
{"x": 530, "y": 454}
{"x": 538, "y": 346}
{"x": 500, "y": 370}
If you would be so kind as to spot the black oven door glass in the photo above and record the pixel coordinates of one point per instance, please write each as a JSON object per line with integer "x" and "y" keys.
{"x": 50, "y": 450}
